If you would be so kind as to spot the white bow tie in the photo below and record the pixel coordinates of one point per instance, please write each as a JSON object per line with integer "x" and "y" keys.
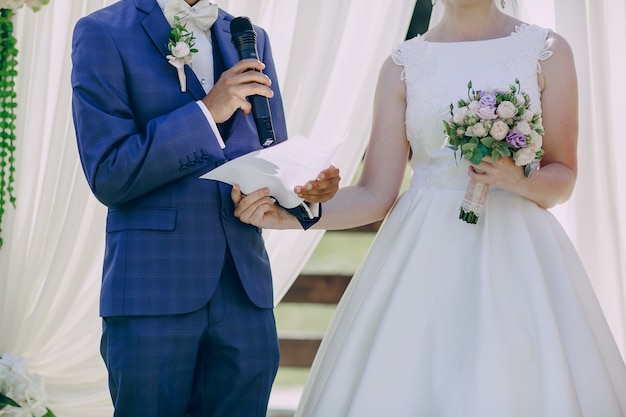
{"x": 203, "y": 13}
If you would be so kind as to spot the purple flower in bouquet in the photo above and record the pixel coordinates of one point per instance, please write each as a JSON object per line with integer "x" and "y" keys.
{"x": 487, "y": 99}
{"x": 516, "y": 138}
{"x": 487, "y": 106}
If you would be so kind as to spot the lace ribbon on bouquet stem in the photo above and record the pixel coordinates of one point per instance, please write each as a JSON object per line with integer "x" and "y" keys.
{"x": 474, "y": 202}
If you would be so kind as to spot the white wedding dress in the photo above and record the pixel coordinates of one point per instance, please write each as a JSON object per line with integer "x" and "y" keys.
{"x": 450, "y": 319}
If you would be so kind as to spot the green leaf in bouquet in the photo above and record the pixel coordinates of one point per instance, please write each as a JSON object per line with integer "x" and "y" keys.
{"x": 474, "y": 151}
{"x": 479, "y": 154}
{"x": 539, "y": 155}
{"x": 488, "y": 141}
{"x": 502, "y": 151}
{"x": 468, "y": 149}
{"x": 451, "y": 133}
{"x": 527, "y": 170}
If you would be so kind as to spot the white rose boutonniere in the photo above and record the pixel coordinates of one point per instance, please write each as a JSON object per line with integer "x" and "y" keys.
{"x": 181, "y": 47}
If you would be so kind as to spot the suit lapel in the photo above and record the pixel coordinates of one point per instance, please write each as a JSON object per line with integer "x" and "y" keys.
{"x": 223, "y": 43}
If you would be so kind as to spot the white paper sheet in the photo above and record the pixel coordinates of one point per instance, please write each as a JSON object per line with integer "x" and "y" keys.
{"x": 280, "y": 167}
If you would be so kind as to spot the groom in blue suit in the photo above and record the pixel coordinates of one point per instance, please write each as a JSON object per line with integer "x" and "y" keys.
{"x": 186, "y": 297}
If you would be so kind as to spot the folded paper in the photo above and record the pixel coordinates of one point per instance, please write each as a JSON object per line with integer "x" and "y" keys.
{"x": 280, "y": 167}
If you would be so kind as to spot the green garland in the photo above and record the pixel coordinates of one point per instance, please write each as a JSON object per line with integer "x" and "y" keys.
{"x": 8, "y": 104}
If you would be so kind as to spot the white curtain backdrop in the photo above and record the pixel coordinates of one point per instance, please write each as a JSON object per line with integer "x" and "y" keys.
{"x": 328, "y": 54}
{"x": 596, "y": 31}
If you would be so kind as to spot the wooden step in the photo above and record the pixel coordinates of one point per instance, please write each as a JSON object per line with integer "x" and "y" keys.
{"x": 368, "y": 228}
{"x": 298, "y": 349}
{"x": 317, "y": 288}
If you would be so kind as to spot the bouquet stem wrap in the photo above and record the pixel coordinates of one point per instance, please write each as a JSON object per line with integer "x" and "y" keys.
{"x": 473, "y": 202}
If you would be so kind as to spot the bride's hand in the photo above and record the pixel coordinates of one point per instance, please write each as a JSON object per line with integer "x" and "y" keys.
{"x": 322, "y": 189}
{"x": 259, "y": 209}
{"x": 503, "y": 173}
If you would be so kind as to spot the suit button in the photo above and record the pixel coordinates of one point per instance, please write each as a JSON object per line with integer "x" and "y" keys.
{"x": 225, "y": 213}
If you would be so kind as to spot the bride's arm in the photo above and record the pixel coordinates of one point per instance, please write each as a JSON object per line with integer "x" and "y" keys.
{"x": 554, "y": 182}
{"x": 375, "y": 192}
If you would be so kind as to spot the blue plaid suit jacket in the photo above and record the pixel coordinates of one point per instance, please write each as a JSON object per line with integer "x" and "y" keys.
{"x": 143, "y": 144}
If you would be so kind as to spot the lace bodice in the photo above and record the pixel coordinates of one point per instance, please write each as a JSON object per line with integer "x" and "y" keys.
{"x": 437, "y": 74}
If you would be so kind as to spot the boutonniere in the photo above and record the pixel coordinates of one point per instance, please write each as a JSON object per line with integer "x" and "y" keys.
{"x": 181, "y": 47}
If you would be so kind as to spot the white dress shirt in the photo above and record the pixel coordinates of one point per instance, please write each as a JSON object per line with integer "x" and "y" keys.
{"x": 202, "y": 66}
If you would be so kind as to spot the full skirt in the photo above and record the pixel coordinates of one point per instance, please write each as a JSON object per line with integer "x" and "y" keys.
{"x": 449, "y": 319}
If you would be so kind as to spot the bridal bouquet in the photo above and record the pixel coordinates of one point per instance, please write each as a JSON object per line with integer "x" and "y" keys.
{"x": 496, "y": 123}
{"x": 21, "y": 394}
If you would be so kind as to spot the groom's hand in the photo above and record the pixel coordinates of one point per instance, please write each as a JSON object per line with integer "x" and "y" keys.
{"x": 230, "y": 92}
{"x": 261, "y": 210}
{"x": 322, "y": 189}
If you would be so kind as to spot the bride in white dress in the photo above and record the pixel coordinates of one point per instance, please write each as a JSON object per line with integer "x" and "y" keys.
{"x": 446, "y": 318}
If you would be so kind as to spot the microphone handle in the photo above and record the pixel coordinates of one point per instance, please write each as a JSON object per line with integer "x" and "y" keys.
{"x": 245, "y": 43}
{"x": 262, "y": 119}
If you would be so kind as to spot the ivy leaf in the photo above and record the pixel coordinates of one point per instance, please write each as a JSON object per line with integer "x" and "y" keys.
{"x": 8, "y": 105}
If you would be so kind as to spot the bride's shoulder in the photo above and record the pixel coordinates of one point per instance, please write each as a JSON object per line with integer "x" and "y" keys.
{"x": 557, "y": 43}
{"x": 550, "y": 42}
{"x": 407, "y": 51}
{"x": 560, "y": 54}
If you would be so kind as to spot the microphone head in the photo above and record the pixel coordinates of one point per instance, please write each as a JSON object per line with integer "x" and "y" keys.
{"x": 240, "y": 24}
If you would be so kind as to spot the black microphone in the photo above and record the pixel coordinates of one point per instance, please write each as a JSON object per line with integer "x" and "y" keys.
{"x": 243, "y": 37}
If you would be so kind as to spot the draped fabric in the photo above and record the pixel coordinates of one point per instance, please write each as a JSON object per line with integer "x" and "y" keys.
{"x": 328, "y": 54}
